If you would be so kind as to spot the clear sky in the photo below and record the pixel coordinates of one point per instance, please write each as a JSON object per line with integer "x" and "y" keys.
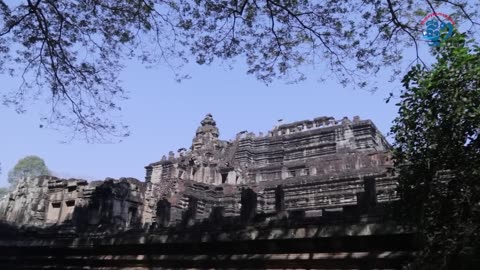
{"x": 164, "y": 115}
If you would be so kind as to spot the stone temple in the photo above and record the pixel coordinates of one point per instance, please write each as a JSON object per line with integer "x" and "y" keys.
{"x": 331, "y": 175}
{"x": 312, "y": 166}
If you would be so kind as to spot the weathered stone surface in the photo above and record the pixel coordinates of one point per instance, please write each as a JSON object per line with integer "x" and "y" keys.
{"x": 47, "y": 200}
{"x": 280, "y": 246}
{"x": 27, "y": 203}
{"x": 320, "y": 164}
{"x": 304, "y": 169}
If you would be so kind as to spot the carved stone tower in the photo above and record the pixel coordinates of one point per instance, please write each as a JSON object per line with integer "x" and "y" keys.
{"x": 206, "y": 137}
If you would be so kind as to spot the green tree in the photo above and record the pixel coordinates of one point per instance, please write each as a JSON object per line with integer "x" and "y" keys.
{"x": 3, "y": 191}
{"x": 29, "y": 166}
{"x": 437, "y": 153}
{"x": 69, "y": 52}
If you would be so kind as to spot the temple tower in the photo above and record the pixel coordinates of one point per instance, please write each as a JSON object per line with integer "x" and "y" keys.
{"x": 206, "y": 137}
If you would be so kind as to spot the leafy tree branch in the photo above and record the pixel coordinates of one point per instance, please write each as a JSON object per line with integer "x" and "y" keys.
{"x": 70, "y": 53}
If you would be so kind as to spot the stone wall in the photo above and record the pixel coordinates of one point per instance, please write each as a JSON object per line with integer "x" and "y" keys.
{"x": 27, "y": 203}
{"x": 281, "y": 246}
{"x": 47, "y": 200}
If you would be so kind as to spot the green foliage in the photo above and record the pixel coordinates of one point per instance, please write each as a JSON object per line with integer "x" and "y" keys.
{"x": 29, "y": 166}
{"x": 3, "y": 192}
{"x": 70, "y": 52}
{"x": 437, "y": 151}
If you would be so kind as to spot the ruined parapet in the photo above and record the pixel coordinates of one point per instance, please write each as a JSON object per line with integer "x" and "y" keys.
{"x": 47, "y": 200}
{"x": 112, "y": 204}
{"x": 27, "y": 202}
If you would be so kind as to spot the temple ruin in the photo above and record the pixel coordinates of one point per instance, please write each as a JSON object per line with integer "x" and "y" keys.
{"x": 324, "y": 173}
{"x": 312, "y": 166}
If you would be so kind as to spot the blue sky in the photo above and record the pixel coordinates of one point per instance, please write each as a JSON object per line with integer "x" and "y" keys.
{"x": 164, "y": 115}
